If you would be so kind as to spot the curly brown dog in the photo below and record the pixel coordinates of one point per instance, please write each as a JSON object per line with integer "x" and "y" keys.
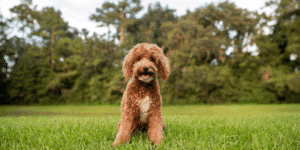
{"x": 141, "y": 103}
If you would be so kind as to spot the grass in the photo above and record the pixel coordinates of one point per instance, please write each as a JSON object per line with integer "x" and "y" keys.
{"x": 188, "y": 127}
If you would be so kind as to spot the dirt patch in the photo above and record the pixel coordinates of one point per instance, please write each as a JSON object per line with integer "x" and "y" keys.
{"x": 33, "y": 113}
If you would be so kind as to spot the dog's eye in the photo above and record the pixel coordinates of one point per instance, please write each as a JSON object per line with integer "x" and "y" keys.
{"x": 139, "y": 58}
{"x": 152, "y": 59}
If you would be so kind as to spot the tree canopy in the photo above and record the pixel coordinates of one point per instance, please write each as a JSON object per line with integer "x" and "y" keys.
{"x": 54, "y": 63}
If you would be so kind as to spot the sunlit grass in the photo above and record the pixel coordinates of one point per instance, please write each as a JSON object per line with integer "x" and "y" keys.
{"x": 188, "y": 127}
{"x": 229, "y": 110}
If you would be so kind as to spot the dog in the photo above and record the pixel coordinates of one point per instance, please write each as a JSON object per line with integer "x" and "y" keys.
{"x": 141, "y": 103}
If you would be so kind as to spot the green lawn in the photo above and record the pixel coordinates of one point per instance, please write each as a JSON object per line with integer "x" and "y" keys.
{"x": 188, "y": 127}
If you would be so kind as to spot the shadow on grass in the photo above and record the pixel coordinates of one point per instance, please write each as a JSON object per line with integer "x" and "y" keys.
{"x": 29, "y": 113}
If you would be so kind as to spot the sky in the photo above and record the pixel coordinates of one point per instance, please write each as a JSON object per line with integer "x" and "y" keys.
{"x": 77, "y": 12}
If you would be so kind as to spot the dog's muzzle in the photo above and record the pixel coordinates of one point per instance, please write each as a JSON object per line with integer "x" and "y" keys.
{"x": 146, "y": 75}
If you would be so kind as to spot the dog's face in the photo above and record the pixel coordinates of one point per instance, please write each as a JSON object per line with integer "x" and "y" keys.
{"x": 144, "y": 61}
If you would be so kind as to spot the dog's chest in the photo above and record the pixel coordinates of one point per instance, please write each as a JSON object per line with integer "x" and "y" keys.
{"x": 144, "y": 107}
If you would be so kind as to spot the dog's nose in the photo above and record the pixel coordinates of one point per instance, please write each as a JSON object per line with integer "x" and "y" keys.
{"x": 145, "y": 69}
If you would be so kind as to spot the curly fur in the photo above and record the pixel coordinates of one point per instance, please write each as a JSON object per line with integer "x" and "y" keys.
{"x": 141, "y": 103}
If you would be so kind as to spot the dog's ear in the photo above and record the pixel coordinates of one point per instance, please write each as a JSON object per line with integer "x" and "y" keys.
{"x": 127, "y": 68}
{"x": 163, "y": 67}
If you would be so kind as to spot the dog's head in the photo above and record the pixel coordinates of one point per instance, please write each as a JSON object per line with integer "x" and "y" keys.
{"x": 144, "y": 61}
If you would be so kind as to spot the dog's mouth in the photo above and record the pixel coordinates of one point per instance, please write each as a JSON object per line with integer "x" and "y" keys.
{"x": 146, "y": 77}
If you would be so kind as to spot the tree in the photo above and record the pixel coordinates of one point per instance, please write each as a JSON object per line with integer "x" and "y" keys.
{"x": 275, "y": 51}
{"x": 119, "y": 15}
{"x": 30, "y": 77}
{"x": 226, "y": 24}
{"x": 24, "y": 16}
{"x": 85, "y": 33}
{"x": 52, "y": 28}
{"x": 283, "y": 7}
{"x": 149, "y": 27}
{"x": 6, "y": 50}
{"x": 240, "y": 21}
{"x": 230, "y": 20}
{"x": 202, "y": 36}
{"x": 286, "y": 31}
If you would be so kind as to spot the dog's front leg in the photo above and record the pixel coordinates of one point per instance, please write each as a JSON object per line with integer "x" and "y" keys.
{"x": 155, "y": 129}
{"x": 125, "y": 130}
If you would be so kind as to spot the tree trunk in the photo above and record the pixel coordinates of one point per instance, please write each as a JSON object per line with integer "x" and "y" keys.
{"x": 239, "y": 43}
{"x": 122, "y": 28}
{"x": 51, "y": 48}
{"x": 222, "y": 56}
{"x": 176, "y": 91}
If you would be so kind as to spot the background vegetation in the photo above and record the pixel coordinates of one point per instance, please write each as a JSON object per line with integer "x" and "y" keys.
{"x": 55, "y": 63}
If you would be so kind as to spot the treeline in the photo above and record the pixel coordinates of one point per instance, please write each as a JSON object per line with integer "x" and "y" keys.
{"x": 54, "y": 63}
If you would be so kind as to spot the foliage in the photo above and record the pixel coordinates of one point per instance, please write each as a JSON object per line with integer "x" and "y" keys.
{"x": 29, "y": 78}
{"x": 119, "y": 15}
{"x": 64, "y": 68}
{"x": 149, "y": 27}
{"x": 6, "y": 49}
